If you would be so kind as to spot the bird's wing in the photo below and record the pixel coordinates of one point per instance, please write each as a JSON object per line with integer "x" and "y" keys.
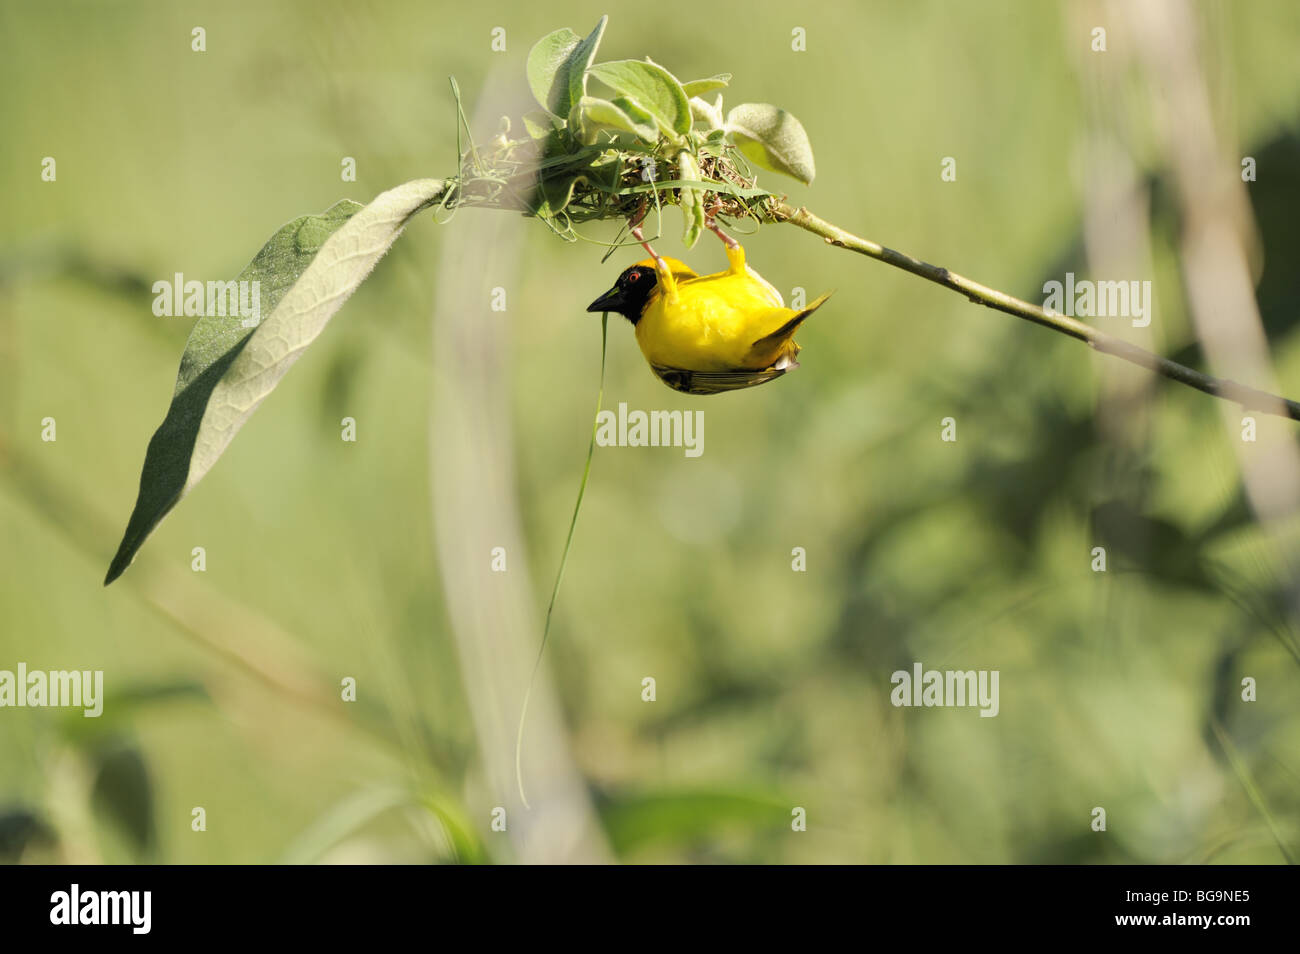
{"x": 715, "y": 382}
{"x": 773, "y": 296}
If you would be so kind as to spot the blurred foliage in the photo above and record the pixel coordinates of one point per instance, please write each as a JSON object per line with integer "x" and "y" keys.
{"x": 773, "y": 686}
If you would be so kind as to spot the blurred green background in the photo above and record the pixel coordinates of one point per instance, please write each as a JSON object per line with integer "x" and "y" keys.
{"x": 1119, "y": 689}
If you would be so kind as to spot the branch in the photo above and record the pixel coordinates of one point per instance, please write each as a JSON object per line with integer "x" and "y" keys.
{"x": 1249, "y": 398}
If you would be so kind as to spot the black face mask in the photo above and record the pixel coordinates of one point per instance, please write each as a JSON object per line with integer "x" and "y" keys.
{"x": 629, "y": 295}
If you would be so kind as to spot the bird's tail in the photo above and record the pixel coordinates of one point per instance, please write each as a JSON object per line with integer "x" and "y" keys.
{"x": 770, "y": 342}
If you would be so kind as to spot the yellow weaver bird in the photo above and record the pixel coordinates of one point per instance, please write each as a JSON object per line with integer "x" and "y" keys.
{"x": 711, "y": 333}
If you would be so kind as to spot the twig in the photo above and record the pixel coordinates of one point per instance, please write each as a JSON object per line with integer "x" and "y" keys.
{"x": 1248, "y": 397}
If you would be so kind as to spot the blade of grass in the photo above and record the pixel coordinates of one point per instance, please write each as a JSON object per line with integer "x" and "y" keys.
{"x": 1252, "y": 790}
{"x": 564, "y": 558}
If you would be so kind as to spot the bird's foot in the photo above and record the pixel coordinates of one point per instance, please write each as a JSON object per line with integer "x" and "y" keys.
{"x": 711, "y": 224}
{"x": 640, "y": 237}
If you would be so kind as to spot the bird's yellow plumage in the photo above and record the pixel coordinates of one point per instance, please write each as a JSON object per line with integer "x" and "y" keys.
{"x": 705, "y": 334}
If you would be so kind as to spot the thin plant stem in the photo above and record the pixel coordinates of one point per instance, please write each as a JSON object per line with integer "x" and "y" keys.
{"x": 1249, "y": 398}
{"x": 1252, "y": 790}
{"x": 564, "y": 559}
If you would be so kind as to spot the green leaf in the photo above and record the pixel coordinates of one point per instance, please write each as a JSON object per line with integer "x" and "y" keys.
{"x": 123, "y": 706}
{"x": 700, "y": 87}
{"x": 692, "y": 200}
{"x": 577, "y": 127}
{"x": 652, "y": 88}
{"x": 710, "y": 115}
{"x": 354, "y": 812}
{"x": 772, "y": 139}
{"x": 124, "y": 793}
{"x": 306, "y": 271}
{"x": 539, "y": 124}
{"x": 550, "y": 85}
{"x": 686, "y": 817}
{"x": 557, "y": 67}
{"x": 646, "y": 125}
{"x": 345, "y": 817}
{"x": 621, "y": 113}
{"x": 553, "y": 195}
{"x": 19, "y": 828}
{"x": 458, "y": 828}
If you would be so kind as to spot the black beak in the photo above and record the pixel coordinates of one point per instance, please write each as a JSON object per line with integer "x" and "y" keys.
{"x": 612, "y": 300}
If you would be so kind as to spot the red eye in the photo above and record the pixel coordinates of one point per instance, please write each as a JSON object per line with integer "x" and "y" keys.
{"x": 634, "y": 276}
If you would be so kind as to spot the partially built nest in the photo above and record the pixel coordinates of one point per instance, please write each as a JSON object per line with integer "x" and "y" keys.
{"x": 566, "y": 184}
